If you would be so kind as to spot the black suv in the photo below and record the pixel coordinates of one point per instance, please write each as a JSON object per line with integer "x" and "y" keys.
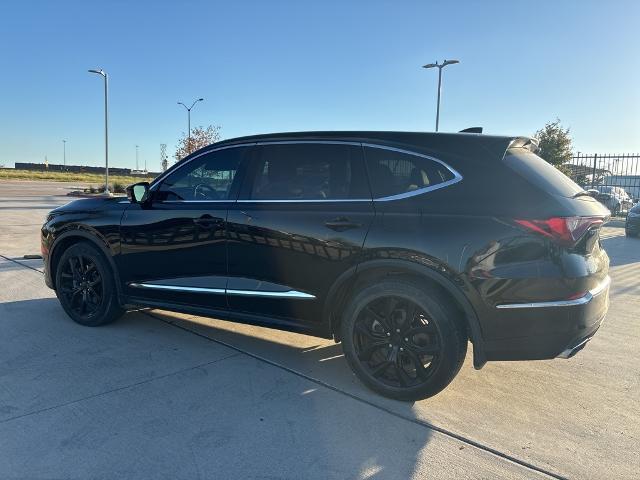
{"x": 403, "y": 246}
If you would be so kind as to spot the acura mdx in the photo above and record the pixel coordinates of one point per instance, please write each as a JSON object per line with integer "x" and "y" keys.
{"x": 402, "y": 246}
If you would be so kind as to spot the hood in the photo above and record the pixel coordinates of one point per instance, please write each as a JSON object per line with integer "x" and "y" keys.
{"x": 92, "y": 204}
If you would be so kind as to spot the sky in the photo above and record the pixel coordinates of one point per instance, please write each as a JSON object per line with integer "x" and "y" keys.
{"x": 269, "y": 66}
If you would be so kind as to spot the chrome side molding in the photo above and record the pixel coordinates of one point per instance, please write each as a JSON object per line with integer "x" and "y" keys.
{"x": 586, "y": 298}
{"x": 222, "y": 291}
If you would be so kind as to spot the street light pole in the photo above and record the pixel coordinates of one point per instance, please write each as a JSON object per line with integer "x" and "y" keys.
{"x": 137, "y": 158}
{"x": 189, "y": 121}
{"x": 64, "y": 153}
{"x": 106, "y": 128}
{"x": 440, "y": 66}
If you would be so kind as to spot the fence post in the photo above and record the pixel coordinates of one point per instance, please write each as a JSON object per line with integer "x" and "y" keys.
{"x": 593, "y": 174}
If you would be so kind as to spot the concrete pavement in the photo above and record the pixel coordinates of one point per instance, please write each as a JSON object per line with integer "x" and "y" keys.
{"x": 163, "y": 395}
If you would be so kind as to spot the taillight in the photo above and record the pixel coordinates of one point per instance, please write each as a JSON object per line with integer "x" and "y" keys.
{"x": 564, "y": 230}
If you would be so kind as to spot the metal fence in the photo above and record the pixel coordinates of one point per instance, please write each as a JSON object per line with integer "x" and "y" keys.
{"x": 608, "y": 170}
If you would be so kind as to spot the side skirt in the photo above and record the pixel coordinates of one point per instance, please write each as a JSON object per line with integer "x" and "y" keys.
{"x": 315, "y": 330}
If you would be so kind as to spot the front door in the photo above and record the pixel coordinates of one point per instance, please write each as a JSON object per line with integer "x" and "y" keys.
{"x": 300, "y": 222}
{"x": 174, "y": 249}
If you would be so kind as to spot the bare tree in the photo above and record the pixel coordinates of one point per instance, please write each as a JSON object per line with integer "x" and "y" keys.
{"x": 200, "y": 137}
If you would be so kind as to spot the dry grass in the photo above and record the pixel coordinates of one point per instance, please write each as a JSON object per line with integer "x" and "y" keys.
{"x": 12, "y": 174}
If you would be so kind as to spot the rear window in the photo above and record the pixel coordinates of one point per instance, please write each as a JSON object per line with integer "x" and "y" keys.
{"x": 540, "y": 173}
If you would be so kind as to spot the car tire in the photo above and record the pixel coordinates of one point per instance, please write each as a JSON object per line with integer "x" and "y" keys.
{"x": 423, "y": 348}
{"x": 86, "y": 287}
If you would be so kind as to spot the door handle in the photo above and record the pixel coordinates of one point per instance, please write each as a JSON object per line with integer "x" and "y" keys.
{"x": 341, "y": 224}
{"x": 207, "y": 221}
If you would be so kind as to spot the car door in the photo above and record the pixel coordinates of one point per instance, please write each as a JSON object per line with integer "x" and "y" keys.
{"x": 299, "y": 223}
{"x": 173, "y": 249}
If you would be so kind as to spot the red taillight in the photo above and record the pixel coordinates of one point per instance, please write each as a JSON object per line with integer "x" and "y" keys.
{"x": 564, "y": 230}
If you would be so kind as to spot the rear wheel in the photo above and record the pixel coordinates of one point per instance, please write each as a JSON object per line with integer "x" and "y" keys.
{"x": 403, "y": 340}
{"x": 85, "y": 286}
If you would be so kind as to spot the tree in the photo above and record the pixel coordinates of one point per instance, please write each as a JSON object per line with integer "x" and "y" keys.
{"x": 200, "y": 137}
{"x": 554, "y": 144}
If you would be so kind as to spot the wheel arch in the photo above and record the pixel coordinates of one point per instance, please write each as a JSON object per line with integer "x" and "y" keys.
{"x": 372, "y": 270}
{"x": 71, "y": 237}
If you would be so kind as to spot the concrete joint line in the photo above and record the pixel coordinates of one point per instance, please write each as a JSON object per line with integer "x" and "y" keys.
{"x": 456, "y": 436}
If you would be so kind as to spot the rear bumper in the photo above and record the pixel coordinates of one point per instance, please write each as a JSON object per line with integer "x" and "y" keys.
{"x": 552, "y": 329}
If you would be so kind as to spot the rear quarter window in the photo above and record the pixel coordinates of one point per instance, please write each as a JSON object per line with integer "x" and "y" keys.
{"x": 395, "y": 173}
{"x": 540, "y": 173}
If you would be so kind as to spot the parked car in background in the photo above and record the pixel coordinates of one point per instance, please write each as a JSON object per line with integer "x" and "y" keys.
{"x": 616, "y": 199}
{"x": 402, "y": 246}
{"x": 630, "y": 183}
{"x": 632, "y": 225}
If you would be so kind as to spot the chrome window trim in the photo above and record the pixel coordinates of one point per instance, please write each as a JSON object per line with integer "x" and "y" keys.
{"x": 254, "y": 293}
{"x": 594, "y": 292}
{"x": 457, "y": 177}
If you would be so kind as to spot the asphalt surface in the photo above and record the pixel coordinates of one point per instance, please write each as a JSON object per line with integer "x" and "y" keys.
{"x": 163, "y": 395}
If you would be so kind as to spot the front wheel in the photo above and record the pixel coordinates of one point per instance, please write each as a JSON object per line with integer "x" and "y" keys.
{"x": 85, "y": 286}
{"x": 403, "y": 339}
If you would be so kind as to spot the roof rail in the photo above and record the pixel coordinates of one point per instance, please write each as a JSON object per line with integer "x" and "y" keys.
{"x": 471, "y": 130}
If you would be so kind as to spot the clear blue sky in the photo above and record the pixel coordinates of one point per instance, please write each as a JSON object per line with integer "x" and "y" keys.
{"x": 266, "y": 66}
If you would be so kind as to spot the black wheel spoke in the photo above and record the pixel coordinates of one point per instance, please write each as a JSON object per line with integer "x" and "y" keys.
{"x": 412, "y": 308}
{"x": 376, "y": 316}
{"x": 367, "y": 351}
{"x": 380, "y": 368}
{"x": 421, "y": 372}
{"x": 81, "y": 285}
{"x": 430, "y": 349}
{"x": 403, "y": 378}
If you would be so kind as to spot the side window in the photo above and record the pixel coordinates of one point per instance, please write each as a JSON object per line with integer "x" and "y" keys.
{"x": 394, "y": 173}
{"x": 308, "y": 171}
{"x": 210, "y": 177}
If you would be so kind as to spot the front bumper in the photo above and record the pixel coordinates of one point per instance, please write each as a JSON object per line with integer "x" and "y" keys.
{"x": 552, "y": 329}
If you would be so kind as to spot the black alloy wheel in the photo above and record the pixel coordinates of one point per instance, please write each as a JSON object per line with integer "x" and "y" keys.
{"x": 86, "y": 287}
{"x": 396, "y": 342}
{"x": 81, "y": 285}
{"x": 404, "y": 339}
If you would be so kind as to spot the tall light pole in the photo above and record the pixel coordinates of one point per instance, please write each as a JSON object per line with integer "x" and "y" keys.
{"x": 189, "y": 121}
{"x": 440, "y": 67}
{"x": 106, "y": 128}
{"x": 64, "y": 153}
{"x": 137, "y": 158}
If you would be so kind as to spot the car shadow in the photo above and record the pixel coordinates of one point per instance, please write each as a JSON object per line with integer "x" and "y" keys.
{"x": 322, "y": 423}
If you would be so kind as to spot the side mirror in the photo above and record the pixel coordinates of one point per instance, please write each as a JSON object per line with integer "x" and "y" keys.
{"x": 138, "y": 192}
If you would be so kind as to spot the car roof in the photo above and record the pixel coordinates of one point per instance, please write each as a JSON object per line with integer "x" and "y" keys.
{"x": 456, "y": 143}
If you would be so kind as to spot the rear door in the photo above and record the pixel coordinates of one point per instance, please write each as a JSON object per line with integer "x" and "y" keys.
{"x": 300, "y": 222}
